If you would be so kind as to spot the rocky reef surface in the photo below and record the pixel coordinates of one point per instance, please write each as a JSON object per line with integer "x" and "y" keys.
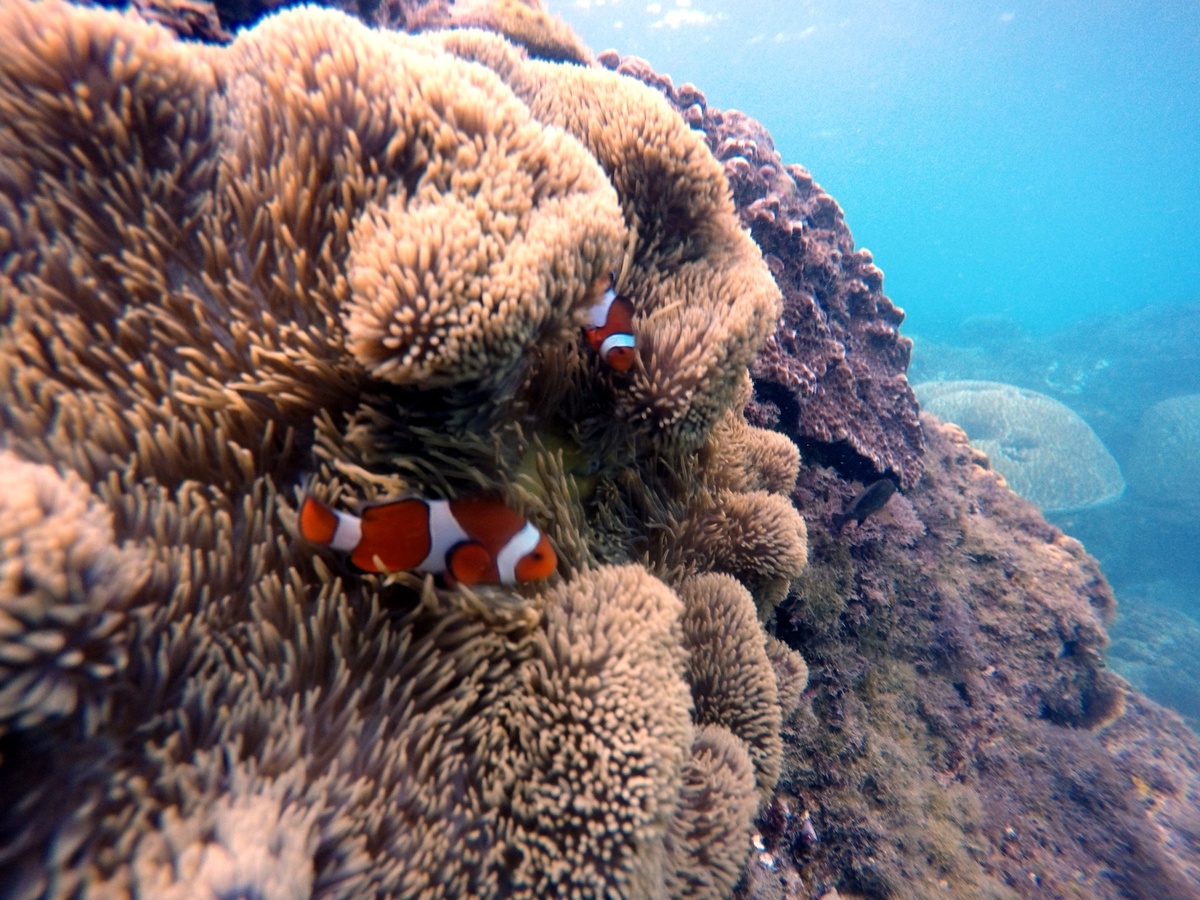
{"x": 964, "y": 735}
{"x": 1132, "y": 376}
{"x": 193, "y": 699}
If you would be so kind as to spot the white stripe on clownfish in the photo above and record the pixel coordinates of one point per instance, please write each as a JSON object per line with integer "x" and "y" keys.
{"x": 444, "y": 535}
{"x": 520, "y": 544}
{"x": 470, "y": 539}
{"x": 610, "y": 329}
{"x": 615, "y": 341}
{"x": 348, "y": 533}
{"x": 598, "y": 314}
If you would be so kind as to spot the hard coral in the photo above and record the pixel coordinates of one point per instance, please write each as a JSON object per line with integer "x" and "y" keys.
{"x": 357, "y": 261}
{"x": 1164, "y": 465}
{"x": 1045, "y": 451}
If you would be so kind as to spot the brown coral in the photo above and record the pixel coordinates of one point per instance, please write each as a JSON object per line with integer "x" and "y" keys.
{"x": 731, "y": 677}
{"x": 64, "y": 586}
{"x": 525, "y": 23}
{"x": 689, "y": 258}
{"x": 756, "y": 536}
{"x": 328, "y": 251}
{"x": 745, "y": 458}
{"x": 456, "y": 278}
{"x": 590, "y": 752}
{"x": 712, "y": 822}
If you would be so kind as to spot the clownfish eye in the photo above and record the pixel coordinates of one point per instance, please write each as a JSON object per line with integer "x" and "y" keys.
{"x": 538, "y": 563}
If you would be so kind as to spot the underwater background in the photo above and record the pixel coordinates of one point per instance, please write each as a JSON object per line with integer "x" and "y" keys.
{"x": 1027, "y": 176}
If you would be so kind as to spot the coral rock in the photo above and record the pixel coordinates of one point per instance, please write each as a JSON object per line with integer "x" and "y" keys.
{"x": 964, "y": 731}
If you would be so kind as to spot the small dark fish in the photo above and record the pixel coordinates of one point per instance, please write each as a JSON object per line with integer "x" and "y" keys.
{"x": 871, "y": 500}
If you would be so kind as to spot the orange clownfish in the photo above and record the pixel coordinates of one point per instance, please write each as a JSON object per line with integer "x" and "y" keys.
{"x": 609, "y": 330}
{"x": 473, "y": 540}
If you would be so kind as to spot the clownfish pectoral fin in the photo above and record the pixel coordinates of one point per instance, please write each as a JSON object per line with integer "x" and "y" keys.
{"x": 469, "y": 563}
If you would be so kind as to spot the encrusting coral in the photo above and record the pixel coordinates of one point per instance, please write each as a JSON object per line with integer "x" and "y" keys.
{"x": 356, "y": 262}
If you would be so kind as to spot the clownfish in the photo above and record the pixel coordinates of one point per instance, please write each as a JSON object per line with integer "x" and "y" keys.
{"x": 472, "y": 540}
{"x": 609, "y": 330}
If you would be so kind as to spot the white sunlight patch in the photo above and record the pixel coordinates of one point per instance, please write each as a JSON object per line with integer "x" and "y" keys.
{"x": 680, "y": 16}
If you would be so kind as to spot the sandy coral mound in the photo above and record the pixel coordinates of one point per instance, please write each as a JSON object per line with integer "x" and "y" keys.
{"x": 1164, "y": 465}
{"x": 1045, "y": 451}
{"x": 356, "y": 262}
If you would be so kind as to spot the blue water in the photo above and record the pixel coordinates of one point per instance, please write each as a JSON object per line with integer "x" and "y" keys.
{"x": 1027, "y": 175}
{"x": 1039, "y": 160}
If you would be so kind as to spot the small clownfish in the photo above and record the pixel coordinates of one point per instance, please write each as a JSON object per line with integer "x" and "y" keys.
{"x": 609, "y": 330}
{"x": 472, "y": 540}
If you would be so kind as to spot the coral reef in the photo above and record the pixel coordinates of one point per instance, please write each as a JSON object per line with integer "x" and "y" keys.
{"x": 1047, "y": 453}
{"x": 1164, "y": 465}
{"x": 1109, "y": 368}
{"x": 959, "y": 734}
{"x": 356, "y": 262}
{"x": 832, "y": 373}
{"x": 325, "y": 258}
